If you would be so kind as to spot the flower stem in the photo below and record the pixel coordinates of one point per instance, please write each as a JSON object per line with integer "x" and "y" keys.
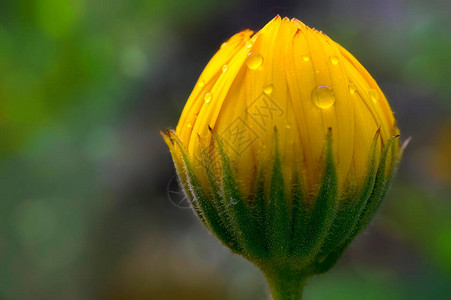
{"x": 286, "y": 284}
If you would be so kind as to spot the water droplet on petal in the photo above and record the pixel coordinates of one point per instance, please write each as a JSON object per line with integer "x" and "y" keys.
{"x": 305, "y": 57}
{"x": 323, "y": 96}
{"x": 254, "y": 60}
{"x": 207, "y": 97}
{"x": 268, "y": 89}
{"x": 352, "y": 88}
{"x": 224, "y": 68}
{"x": 223, "y": 44}
{"x": 249, "y": 44}
{"x": 334, "y": 60}
{"x": 374, "y": 95}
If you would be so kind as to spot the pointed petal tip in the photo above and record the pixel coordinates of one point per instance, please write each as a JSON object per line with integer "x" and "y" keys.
{"x": 274, "y": 20}
{"x": 286, "y": 20}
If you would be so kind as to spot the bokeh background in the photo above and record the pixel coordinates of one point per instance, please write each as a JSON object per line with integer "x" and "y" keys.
{"x": 86, "y": 181}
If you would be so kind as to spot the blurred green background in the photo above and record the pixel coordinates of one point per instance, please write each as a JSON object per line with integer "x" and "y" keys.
{"x": 85, "y": 178}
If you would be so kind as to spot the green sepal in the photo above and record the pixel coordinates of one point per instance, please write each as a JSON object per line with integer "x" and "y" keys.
{"x": 242, "y": 221}
{"x": 200, "y": 201}
{"x": 182, "y": 175}
{"x": 217, "y": 198}
{"x": 258, "y": 205}
{"x": 301, "y": 216}
{"x": 350, "y": 210}
{"x": 278, "y": 212}
{"x": 281, "y": 232}
{"x": 380, "y": 187}
{"x": 382, "y": 184}
{"x": 323, "y": 213}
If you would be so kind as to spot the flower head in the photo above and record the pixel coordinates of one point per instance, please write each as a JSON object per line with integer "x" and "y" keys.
{"x": 285, "y": 147}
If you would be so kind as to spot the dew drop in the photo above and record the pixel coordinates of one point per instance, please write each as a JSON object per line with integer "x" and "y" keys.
{"x": 223, "y": 45}
{"x": 323, "y": 96}
{"x": 224, "y": 68}
{"x": 268, "y": 89}
{"x": 249, "y": 44}
{"x": 207, "y": 97}
{"x": 373, "y": 95}
{"x": 254, "y": 60}
{"x": 305, "y": 57}
{"x": 334, "y": 60}
{"x": 352, "y": 88}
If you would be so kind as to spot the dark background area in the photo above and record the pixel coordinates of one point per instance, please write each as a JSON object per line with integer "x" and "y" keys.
{"x": 86, "y": 181}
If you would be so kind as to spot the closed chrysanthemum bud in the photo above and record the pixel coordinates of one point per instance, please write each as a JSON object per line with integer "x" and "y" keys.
{"x": 285, "y": 149}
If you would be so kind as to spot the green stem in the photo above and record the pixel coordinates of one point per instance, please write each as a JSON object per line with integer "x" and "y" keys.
{"x": 286, "y": 284}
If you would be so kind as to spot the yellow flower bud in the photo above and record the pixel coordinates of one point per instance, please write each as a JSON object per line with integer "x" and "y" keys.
{"x": 298, "y": 80}
{"x": 285, "y": 148}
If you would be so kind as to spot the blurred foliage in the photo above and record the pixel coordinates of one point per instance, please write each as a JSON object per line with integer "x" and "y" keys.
{"x": 85, "y": 87}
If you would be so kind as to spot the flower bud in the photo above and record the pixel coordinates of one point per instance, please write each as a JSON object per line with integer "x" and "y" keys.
{"x": 285, "y": 148}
